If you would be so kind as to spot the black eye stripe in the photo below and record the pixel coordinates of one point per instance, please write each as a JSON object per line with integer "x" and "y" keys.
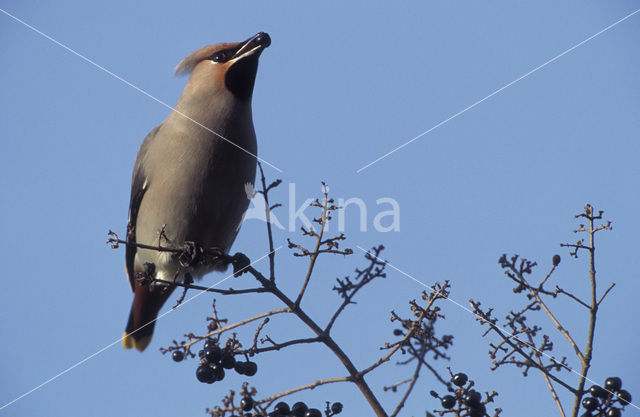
{"x": 221, "y": 56}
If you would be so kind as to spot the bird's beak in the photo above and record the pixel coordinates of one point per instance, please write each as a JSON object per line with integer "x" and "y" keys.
{"x": 252, "y": 46}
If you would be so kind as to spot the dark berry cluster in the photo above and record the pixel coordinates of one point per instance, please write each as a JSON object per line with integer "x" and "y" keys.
{"x": 465, "y": 398}
{"x": 214, "y": 360}
{"x": 299, "y": 409}
{"x": 606, "y": 402}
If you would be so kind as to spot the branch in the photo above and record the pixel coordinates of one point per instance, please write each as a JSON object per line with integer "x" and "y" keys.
{"x": 568, "y": 294}
{"x": 519, "y": 273}
{"x": 313, "y": 385}
{"x": 593, "y": 311}
{"x": 410, "y": 332}
{"x": 613, "y": 284}
{"x": 414, "y": 379}
{"x": 485, "y": 317}
{"x": 348, "y": 290}
{"x": 355, "y": 376}
{"x": 188, "y": 344}
{"x": 229, "y": 291}
{"x": 115, "y": 243}
{"x": 267, "y": 212}
{"x": 278, "y": 346}
{"x": 394, "y": 387}
{"x": 554, "y": 394}
{"x": 553, "y": 268}
{"x": 314, "y": 255}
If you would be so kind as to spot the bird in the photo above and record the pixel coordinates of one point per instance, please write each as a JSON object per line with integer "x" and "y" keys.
{"x": 190, "y": 176}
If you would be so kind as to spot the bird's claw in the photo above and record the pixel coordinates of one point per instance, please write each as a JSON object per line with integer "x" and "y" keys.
{"x": 240, "y": 264}
{"x": 146, "y": 276}
{"x": 190, "y": 255}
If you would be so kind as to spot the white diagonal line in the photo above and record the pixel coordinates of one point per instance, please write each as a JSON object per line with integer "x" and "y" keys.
{"x": 135, "y": 87}
{"x": 511, "y": 335}
{"x": 497, "y": 91}
{"x": 53, "y": 378}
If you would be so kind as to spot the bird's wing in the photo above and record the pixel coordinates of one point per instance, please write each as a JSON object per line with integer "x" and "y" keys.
{"x": 139, "y": 186}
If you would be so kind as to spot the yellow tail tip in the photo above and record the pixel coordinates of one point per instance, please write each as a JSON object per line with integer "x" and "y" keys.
{"x": 129, "y": 342}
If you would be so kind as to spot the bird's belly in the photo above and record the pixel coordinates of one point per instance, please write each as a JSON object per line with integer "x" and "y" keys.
{"x": 206, "y": 211}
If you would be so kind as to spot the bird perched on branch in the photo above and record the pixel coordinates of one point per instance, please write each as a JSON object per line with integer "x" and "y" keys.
{"x": 190, "y": 176}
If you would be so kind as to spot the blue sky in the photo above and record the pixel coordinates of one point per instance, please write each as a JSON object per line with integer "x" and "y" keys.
{"x": 341, "y": 85}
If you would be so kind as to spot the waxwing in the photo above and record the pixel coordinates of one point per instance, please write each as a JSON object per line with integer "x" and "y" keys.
{"x": 191, "y": 176}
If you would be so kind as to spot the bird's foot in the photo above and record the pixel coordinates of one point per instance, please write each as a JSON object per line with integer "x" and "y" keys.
{"x": 191, "y": 254}
{"x": 147, "y": 275}
{"x": 240, "y": 264}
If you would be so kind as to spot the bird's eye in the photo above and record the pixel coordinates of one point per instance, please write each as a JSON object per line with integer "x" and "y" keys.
{"x": 220, "y": 56}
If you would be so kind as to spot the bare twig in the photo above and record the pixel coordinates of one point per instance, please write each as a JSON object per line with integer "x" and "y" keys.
{"x": 613, "y": 284}
{"x": 554, "y": 394}
{"x": 229, "y": 291}
{"x": 234, "y": 325}
{"x": 573, "y": 297}
{"x": 518, "y": 274}
{"x": 412, "y": 384}
{"x": 270, "y": 400}
{"x": 356, "y": 377}
{"x": 278, "y": 346}
{"x": 267, "y": 212}
{"x": 347, "y": 289}
{"x": 314, "y": 255}
{"x": 586, "y": 360}
{"x": 515, "y": 345}
{"x": 394, "y": 387}
{"x": 439, "y": 291}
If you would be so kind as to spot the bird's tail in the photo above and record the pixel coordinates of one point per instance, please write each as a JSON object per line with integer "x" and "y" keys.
{"x": 147, "y": 302}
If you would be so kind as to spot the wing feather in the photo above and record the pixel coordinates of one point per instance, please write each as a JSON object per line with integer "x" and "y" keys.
{"x": 139, "y": 185}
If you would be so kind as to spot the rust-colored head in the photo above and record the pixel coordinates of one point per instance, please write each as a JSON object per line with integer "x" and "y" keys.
{"x": 231, "y": 65}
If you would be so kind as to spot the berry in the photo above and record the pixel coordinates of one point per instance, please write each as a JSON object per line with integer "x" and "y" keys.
{"x": 204, "y": 373}
{"x": 246, "y": 403}
{"x": 336, "y": 408}
{"x": 201, "y": 354}
{"x": 556, "y": 260}
{"x": 613, "y": 412}
{"x": 228, "y": 361}
{"x": 472, "y": 398}
{"x": 313, "y": 412}
{"x": 478, "y": 411}
{"x": 299, "y": 409}
{"x": 218, "y": 371}
{"x": 448, "y": 402}
{"x": 397, "y": 332}
{"x": 251, "y": 368}
{"x": 213, "y": 353}
{"x": 598, "y": 392}
{"x": 240, "y": 368}
{"x": 590, "y": 403}
{"x": 282, "y": 409}
{"x": 613, "y": 383}
{"x": 624, "y": 397}
{"x": 459, "y": 379}
{"x": 177, "y": 355}
{"x": 210, "y": 344}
